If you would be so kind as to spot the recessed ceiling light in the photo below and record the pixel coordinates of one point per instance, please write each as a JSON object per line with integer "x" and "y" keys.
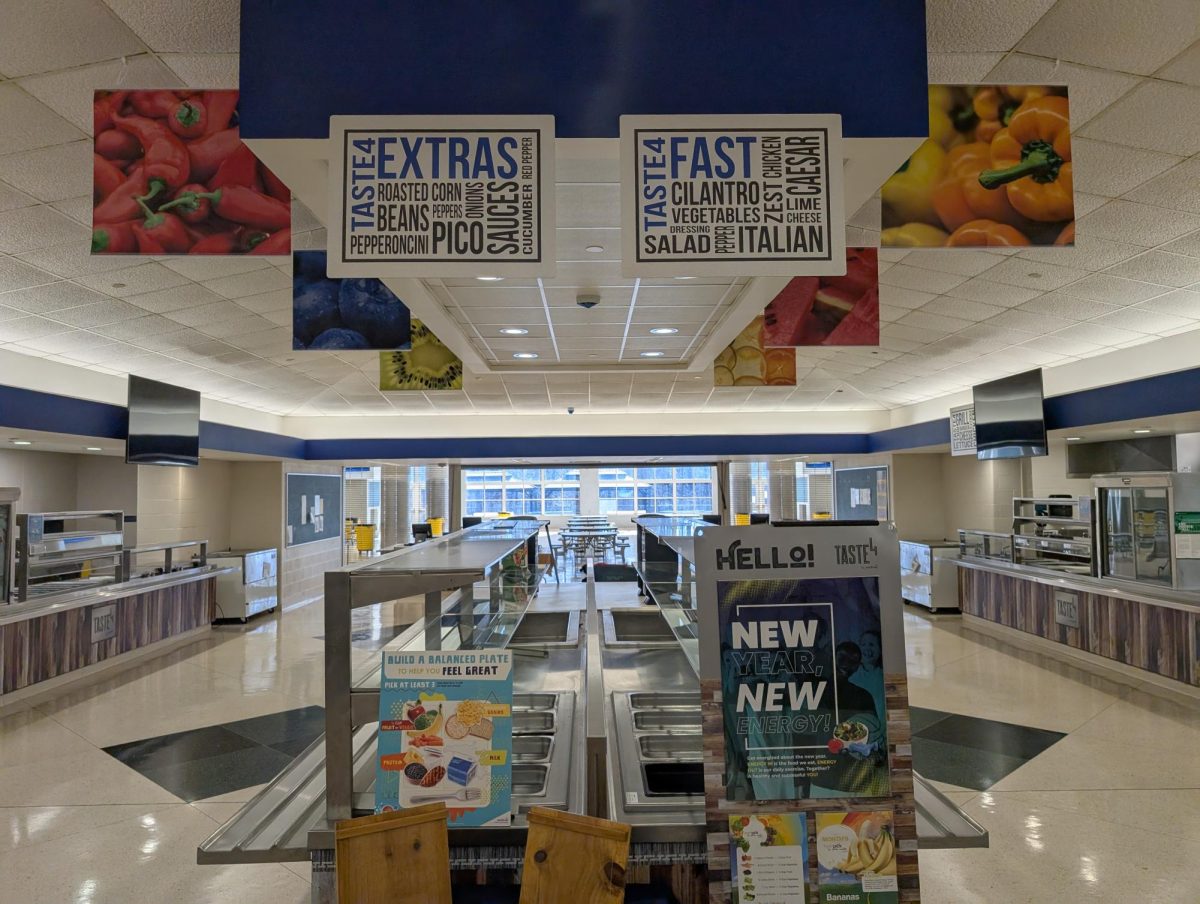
{"x": 652, "y": 354}
{"x": 118, "y": 285}
{"x": 1074, "y": 439}
{"x": 685, "y": 277}
{"x": 92, "y": 449}
{"x": 20, "y": 442}
{"x": 525, "y": 355}
{"x": 489, "y": 278}
{"x": 594, "y": 249}
{"x": 1143, "y": 430}
{"x": 514, "y": 331}
{"x": 664, "y": 331}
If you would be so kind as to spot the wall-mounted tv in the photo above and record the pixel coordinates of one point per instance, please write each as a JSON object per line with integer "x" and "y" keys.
{"x": 164, "y": 424}
{"x": 1009, "y": 417}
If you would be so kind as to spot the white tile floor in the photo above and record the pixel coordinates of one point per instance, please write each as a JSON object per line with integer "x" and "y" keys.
{"x": 1109, "y": 814}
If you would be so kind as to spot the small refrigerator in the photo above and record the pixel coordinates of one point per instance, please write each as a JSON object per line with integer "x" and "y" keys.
{"x": 924, "y": 578}
{"x": 8, "y": 520}
{"x": 1148, "y": 526}
{"x": 253, "y": 586}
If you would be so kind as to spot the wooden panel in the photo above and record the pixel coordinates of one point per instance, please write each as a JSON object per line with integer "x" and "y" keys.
{"x": 397, "y": 858}
{"x": 1159, "y": 639}
{"x": 574, "y": 858}
{"x": 39, "y": 649}
{"x": 900, "y": 801}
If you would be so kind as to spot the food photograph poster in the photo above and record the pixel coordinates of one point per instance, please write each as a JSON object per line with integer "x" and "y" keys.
{"x": 344, "y": 314}
{"x": 856, "y": 857}
{"x": 171, "y": 175}
{"x": 995, "y": 172}
{"x": 828, "y": 310}
{"x": 802, "y": 689}
{"x": 445, "y": 734}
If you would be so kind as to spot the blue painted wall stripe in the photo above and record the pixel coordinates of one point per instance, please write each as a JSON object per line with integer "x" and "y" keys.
{"x": 1175, "y": 393}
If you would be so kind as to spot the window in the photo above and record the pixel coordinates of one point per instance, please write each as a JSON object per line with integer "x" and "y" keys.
{"x": 521, "y": 491}
{"x": 418, "y": 496}
{"x": 661, "y": 490}
{"x": 760, "y": 486}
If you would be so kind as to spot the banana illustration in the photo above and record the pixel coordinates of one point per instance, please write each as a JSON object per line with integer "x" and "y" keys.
{"x": 887, "y": 852}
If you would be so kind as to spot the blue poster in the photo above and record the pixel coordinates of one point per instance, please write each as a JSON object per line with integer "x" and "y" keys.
{"x": 802, "y": 689}
{"x": 445, "y": 734}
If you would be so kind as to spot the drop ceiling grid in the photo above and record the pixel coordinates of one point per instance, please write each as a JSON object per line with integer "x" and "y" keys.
{"x": 950, "y": 318}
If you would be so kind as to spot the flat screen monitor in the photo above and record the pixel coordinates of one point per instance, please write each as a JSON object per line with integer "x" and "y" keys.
{"x": 164, "y": 424}
{"x": 1009, "y": 418}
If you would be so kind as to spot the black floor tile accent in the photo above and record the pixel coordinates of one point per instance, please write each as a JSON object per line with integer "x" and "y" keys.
{"x": 217, "y": 759}
{"x": 971, "y": 752}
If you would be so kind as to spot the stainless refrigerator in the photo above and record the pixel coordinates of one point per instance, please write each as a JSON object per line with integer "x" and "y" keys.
{"x": 1147, "y": 528}
{"x": 8, "y": 520}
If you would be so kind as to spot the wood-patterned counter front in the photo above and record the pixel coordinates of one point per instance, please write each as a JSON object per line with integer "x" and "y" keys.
{"x": 46, "y": 642}
{"x": 1140, "y": 627}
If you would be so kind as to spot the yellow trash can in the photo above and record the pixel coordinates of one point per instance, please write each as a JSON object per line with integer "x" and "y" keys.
{"x": 364, "y": 537}
{"x": 436, "y": 526}
{"x": 740, "y": 520}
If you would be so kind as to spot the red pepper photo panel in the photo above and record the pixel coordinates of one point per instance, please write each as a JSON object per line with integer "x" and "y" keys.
{"x": 828, "y": 310}
{"x": 170, "y": 175}
{"x": 995, "y": 171}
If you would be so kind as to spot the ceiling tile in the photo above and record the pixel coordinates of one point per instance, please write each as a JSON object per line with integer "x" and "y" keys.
{"x": 1141, "y": 320}
{"x": 973, "y": 24}
{"x": 1181, "y": 302}
{"x": 84, "y": 31}
{"x": 961, "y": 308}
{"x": 107, "y": 310}
{"x": 1113, "y": 34}
{"x": 588, "y": 204}
{"x": 1029, "y": 322}
{"x": 53, "y": 297}
{"x": 1090, "y": 90}
{"x": 1113, "y": 289}
{"x": 29, "y": 124}
{"x": 1033, "y": 275}
{"x": 933, "y": 281}
{"x": 11, "y": 199}
{"x": 1178, "y": 188}
{"x": 1159, "y": 116}
{"x": 962, "y": 261}
{"x": 202, "y": 267}
{"x": 1067, "y": 306}
{"x": 1096, "y": 335}
{"x": 1113, "y": 169}
{"x": 78, "y": 209}
{"x": 28, "y": 327}
{"x": 175, "y": 299}
{"x": 51, "y": 174}
{"x": 960, "y": 68}
{"x": 1184, "y": 68}
{"x": 136, "y": 280}
{"x": 253, "y": 283}
{"x": 204, "y": 70}
{"x": 932, "y": 324}
{"x": 74, "y": 258}
{"x": 209, "y": 27}
{"x": 38, "y": 227}
{"x": 1088, "y": 253}
{"x": 1160, "y": 267}
{"x": 68, "y": 92}
{"x": 1139, "y": 224}
{"x": 16, "y": 274}
{"x": 904, "y": 298}
{"x": 978, "y": 289}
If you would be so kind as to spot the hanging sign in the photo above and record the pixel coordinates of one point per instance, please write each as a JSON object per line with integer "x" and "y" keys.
{"x": 732, "y": 196}
{"x": 962, "y": 430}
{"x": 445, "y": 734}
{"x": 441, "y": 196}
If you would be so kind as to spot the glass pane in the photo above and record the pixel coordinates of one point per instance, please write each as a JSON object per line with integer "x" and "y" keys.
{"x": 1118, "y": 534}
{"x": 1153, "y": 534}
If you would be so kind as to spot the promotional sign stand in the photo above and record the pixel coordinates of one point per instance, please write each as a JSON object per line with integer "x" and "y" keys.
{"x": 804, "y": 700}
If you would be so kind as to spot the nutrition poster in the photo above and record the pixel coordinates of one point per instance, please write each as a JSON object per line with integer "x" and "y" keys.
{"x": 445, "y": 734}
{"x": 802, "y": 688}
{"x": 856, "y": 858}
{"x": 732, "y": 195}
{"x": 1187, "y": 535}
{"x": 441, "y": 196}
{"x": 769, "y": 855}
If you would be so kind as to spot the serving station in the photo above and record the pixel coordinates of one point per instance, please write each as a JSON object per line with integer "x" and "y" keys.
{"x": 606, "y": 709}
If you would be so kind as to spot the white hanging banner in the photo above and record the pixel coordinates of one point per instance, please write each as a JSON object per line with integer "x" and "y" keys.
{"x": 732, "y": 196}
{"x": 441, "y": 196}
{"x": 962, "y": 430}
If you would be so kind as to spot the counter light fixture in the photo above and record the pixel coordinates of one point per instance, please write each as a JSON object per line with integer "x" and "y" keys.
{"x": 1143, "y": 430}
{"x": 664, "y": 331}
{"x": 1074, "y": 439}
{"x": 594, "y": 249}
{"x": 685, "y": 277}
{"x": 92, "y": 449}
{"x": 21, "y": 442}
{"x": 652, "y": 354}
{"x": 489, "y": 278}
{"x": 514, "y": 331}
{"x": 525, "y": 355}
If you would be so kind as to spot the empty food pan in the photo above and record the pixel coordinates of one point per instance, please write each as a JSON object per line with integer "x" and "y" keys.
{"x": 667, "y": 720}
